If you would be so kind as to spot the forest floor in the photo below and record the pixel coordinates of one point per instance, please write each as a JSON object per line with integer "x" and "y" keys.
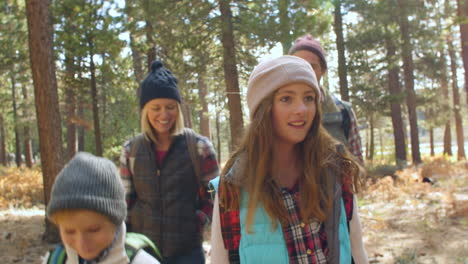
{"x": 404, "y": 219}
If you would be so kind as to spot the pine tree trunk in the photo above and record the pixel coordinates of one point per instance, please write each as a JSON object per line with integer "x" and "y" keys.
{"x": 218, "y": 137}
{"x": 462, "y": 12}
{"x": 46, "y": 98}
{"x": 231, "y": 75}
{"x": 395, "y": 105}
{"x": 187, "y": 112}
{"x": 204, "y": 115}
{"x": 94, "y": 97}
{"x": 340, "y": 46}
{"x": 138, "y": 70}
{"x": 26, "y": 131}
{"x": 151, "y": 52}
{"x": 285, "y": 25}
{"x": 446, "y": 98}
{"x": 408, "y": 67}
{"x": 70, "y": 108}
{"x": 456, "y": 101}
{"x": 81, "y": 129}
{"x": 431, "y": 141}
{"x": 18, "y": 158}
{"x": 3, "y": 157}
{"x": 371, "y": 139}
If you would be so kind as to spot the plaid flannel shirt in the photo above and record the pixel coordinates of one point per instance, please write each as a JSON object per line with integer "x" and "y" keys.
{"x": 306, "y": 243}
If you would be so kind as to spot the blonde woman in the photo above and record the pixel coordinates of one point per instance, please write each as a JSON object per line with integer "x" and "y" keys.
{"x": 166, "y": 186}
{"x": 286, "y": 195}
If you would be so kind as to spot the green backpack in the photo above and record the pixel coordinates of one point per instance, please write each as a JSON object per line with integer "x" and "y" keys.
{"x": 134, "y": 242}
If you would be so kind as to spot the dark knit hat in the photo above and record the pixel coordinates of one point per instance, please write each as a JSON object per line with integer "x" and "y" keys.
{"x": 91, "y": 183}
{"x": 307, "y": 42}
{"x": 160, "y": 83}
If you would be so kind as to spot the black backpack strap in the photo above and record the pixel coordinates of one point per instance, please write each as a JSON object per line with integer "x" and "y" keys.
{"x": 346, "y": 113}
{"x": 192, "y": 140}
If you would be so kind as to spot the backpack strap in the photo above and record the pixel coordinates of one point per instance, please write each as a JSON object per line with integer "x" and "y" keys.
{"x": 134, "y": 147}
{"x": 134, "y": 242}
{"x": 345, "y": 113}
{"x": 192, "y": 140}
{"x": 58, "y": 255}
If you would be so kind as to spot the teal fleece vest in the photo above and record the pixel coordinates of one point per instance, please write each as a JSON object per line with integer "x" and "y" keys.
{"x": 265, "y": 245}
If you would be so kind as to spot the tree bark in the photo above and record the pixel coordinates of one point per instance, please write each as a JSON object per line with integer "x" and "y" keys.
{"x": 456, "y": 101}
{"x": 445, "y": 94}
{"x": 18, "y": 158}
{"x": 3, "y": 157}
{"x": 395, "y": 105}
{"x": 285, "y": 25}
{"x": 431, "y": 141}
{"x": 408, "y": 68}
{"x": 94, "y": 96}
{"x": 46, "y": 98}
{"x": 70, "y": 107}
{"x": 218, "y": 137}
{"x": 231, "y": 75}
{"x": 204, "y": 115}
{"x": 371, "y": 138}
{"x": 136, "y": 54}
{"x": 27, "y": 131}
{"x": 462, "y": 12}
{"x": 151, "y": 52}
{"x": 340, "y": 46}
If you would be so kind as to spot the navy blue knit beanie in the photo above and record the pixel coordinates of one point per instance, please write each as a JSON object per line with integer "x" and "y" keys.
{"x": 160, "y": 83}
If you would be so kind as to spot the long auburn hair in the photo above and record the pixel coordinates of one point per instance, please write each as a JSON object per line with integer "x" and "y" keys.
{"x": 320, "y": 154}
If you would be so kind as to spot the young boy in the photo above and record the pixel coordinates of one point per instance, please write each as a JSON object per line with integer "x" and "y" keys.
{"x": 88, "y": 205}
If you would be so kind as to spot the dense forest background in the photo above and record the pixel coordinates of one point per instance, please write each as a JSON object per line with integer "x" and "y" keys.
{"x": 401, "y": 63}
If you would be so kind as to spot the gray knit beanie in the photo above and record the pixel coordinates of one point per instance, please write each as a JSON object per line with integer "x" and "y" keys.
{"x": 91, "y": 183}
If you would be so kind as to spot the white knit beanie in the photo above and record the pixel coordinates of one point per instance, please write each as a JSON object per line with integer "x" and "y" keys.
{"x": 270, "y": 75}
{"x": 92, "y": 183}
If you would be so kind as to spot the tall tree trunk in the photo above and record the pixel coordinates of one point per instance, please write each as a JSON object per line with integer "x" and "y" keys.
{"x": 431, "y": 141}
{"x": 46, "y": 98}
{"x": 285, "y": 25}
{"x": 70, "y": 107}
{"x": 446, "y": 98}
{"x": 151, "y": 52}
{"x": 138, "y": 70}
{"x": 462, "y": 12}
{"x": 408, "y": 67}
{"x": 27, "y": 131}
{"x": 340, "y": 46}
{"x": 94, "y": 96}
{"x": 218, "y": 137}
{"x": 204, "y": 115}
{"x": 230, "y": 75}
{"x": 187, "y": 112}
{"x": 395, "y": 105}
{"x": 18, "y": 158}
{"x": 81, "y": 129}
{"x": 3, "y": 154}
{"x": 371, "y": 138}
{"x": 456, "y": 101}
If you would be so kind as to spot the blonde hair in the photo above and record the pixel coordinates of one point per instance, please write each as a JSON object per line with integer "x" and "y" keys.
{"x": 319, "y": 154}
{"x": 56, "y": 217}
{"x": 149, "y": 131}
